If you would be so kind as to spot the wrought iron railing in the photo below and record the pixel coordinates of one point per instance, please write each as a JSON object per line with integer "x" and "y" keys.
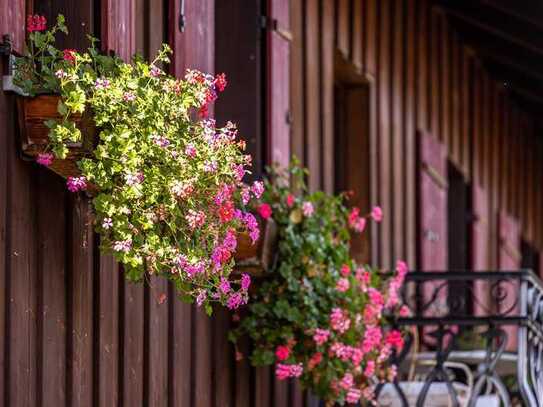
{"x": 503, "y": 308}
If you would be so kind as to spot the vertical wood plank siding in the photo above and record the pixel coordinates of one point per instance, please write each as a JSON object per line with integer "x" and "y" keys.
{"x": 73, "y": 332}
{"x": 422, "y": 77}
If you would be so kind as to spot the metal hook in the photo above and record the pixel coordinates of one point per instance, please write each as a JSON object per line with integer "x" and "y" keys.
{"x": 182, "y": 15}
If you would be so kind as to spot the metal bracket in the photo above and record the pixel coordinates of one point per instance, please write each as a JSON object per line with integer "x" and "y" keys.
{"x": 6, "y": 46}
{"x": 6, "y": 51}
{"x": 271, "y": 24}
{"x": 182, "y": 15}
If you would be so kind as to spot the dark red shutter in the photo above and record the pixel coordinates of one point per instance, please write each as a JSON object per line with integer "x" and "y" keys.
{"x": 119, "y": 27}
{"x": 433, "y": 215}
{"x": 194, "y": 47}
{"x": 480, "y": 248}
{"x": 509, "y": 259}
{"x": 279, "y": 38}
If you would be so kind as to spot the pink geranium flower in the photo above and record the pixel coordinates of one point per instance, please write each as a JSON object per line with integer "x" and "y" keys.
{"x": 308, "y": 209}
{"x": 342, "y": 285}
{"x": 45, "y": 159}
{"x": 377, "y": 214}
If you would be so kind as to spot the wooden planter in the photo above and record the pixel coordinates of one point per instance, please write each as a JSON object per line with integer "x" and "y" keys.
{"x": 33, "y": 133}
{"x": 256, "y": 259}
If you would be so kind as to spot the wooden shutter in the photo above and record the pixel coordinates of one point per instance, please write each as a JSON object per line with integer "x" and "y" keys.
{"x": 433, "y": 203}
{"x": 194, "y": 46}
{"x": 278, "y": 86}
{"x": 433, "y": 214}
{"x": 509, "y": 259}
{"x": 118, "y": 27}
{"x": 480, "y": 248}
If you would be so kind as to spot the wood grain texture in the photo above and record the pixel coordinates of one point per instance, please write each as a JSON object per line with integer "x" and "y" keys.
{"x": 81, "y": 273}
{"x": 157, "y": 354}
{"x": 108, "y": 335}
{"x": 133, "y": 344}
{"x": 327, "y": 80}
{"x": 398, "y": 130}
{"x": 384, "y": 81}
{"x": 21, "y": 258}
{"x": 313, "y": 153}
{"x": 51, "y": 223}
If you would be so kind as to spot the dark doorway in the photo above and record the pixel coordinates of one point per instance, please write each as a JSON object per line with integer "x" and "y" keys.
{"x": 351, "y": 154}
{"x": 459, "y": 223}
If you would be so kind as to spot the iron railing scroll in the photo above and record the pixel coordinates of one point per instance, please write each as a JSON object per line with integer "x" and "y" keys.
{"x": 447, "y": 303}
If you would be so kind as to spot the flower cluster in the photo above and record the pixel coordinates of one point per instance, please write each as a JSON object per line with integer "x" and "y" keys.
{"x": 170, "y": 197}
{"x": 323, "y": 318}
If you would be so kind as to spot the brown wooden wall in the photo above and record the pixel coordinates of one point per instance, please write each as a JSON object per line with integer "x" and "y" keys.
{"x": 421, "y": 78}
{"x": 74, "y": 333}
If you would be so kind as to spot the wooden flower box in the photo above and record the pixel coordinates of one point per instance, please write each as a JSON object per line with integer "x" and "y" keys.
{"x": 255, "y": 259}
{"x": 33, "y": 133}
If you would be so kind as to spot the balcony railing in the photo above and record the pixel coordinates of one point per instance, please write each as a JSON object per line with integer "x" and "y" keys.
{"x": 505, "y": 311}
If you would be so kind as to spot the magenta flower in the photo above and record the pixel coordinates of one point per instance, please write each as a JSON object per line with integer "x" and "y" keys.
{"x": 308, "y": 209}
{"x": 265, "y": 211}
{"x": 369, "y": 371}
{"x": 245, "y": 281}
{"x": 353, "y": 395}
{"x": 404, "y": 311}
{"x": 190, "y": 151}
{"x": 342, "y": 285}
{"x": 257, "y": 189}
{"x": 339, "y": 321}
{"x": 75, "y": 184}
{"x": 161, "y": 141}
{"x": 101, "y": 83}
{"x": 290, "y": 200}
{"x": 202, "y": 296}
{"x": 239, "y": 171}
{"x": 347, "y": 381}
{"x": 224, "y": 286}
{"x": 377, "y": 214}
{"x": 155, "y": 71}
{"x": 45, "y": 159}
{"x": 282, "y": 353}
{"x": 129, "y": 97}
{"x": 321, "y": 336}
{"x": 282, "y": 371}
{"x": 234, "y": 301}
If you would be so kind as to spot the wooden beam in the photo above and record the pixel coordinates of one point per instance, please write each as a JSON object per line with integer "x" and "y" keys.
{"x": 496, "y": 23}
{"x": 531, "y": 12}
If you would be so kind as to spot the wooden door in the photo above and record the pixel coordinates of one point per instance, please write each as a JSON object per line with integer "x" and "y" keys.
{"x": 432, "y": 188}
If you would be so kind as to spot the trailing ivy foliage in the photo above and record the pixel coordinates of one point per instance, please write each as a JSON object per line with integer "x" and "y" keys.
{"x": 319, "y": 316}
{"x": 170, "y": 198}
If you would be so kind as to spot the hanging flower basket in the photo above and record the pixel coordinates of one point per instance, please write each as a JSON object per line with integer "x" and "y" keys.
{"x": 34, "y": 113}
{"x": 167, "y": 183}
{"x": 255, "y": 259}
{"x": 320, "y": 317}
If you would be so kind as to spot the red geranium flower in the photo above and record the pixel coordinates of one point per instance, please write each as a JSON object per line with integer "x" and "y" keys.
{"x": 282, "y": 353}
{"x": 265, "y": 211}
{"x": 36, "y": 23}
{"x": 69, "y": 55}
